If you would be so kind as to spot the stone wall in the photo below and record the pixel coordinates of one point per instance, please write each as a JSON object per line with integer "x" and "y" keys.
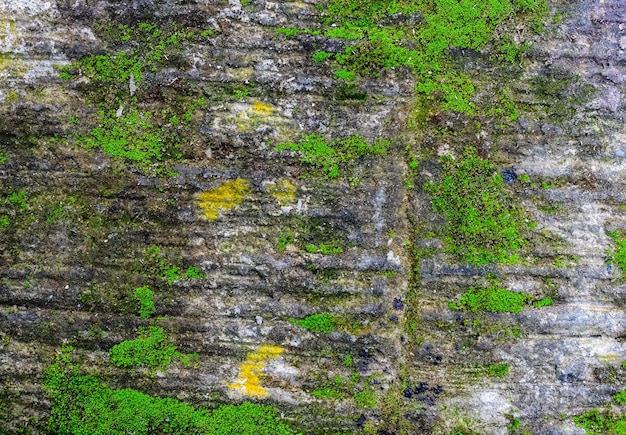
{"x": 72, "y": 254}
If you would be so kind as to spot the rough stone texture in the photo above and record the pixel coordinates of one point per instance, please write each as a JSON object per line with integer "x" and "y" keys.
{"x": 567, "y": 358}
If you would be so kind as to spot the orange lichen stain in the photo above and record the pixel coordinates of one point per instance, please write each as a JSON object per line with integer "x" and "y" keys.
{"x": 251, "y": 371}
{"x": 260, "y": 108}
{"x": 284, "y": 191}
{"x": 225, "y": 198}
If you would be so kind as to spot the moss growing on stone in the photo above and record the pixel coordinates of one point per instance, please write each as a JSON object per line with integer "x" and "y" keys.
{"x": 498, "y": 370}
{"x": 223, "y": 198}
{"x": 425, "y": 48}
{"x": 618, "y": 255}
{"x": 330, "y": 156}
{"x": 86, "y": 405}
{"x": 323, "y": 322}
{"x": 601, "y": 423}
{"x": 492, "y": 299}
{"x": 482, "y": 223}
{"x": 145, "y": 297}
{"x": 151, "y": 349}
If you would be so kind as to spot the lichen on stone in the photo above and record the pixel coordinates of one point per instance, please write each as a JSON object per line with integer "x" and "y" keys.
{"x": 251, "y": 371}
{"x": 225, "y": 197}
{"x": 284, "y": 191}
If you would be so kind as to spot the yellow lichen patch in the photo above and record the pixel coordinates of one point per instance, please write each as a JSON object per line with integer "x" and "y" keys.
{"x": 251, "y": 371}
{"x": 260, "y": 108}
{"x": 284, "y": 192}
{"x": 225, "y": 198}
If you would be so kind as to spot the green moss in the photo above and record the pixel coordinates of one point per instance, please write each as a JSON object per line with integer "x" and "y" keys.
{"x": 157, "y": 264}
{"x": 482, "y": 223}
{"x": 348, "y": 361}
{"x": 329, "y": 157}
{"x": 498, "y": 370}
{"x": 492, "y": 299}
{"x": 152, "y": 349}
{"x": 284, "y": 240}
{"x": 618, "y": 255}
{"x": 596, "y": 423}
{"x": 132, "y": 136}
{"x": 193, "y": 272}
{"x": 366, "y": 398}
{"x": 147, "y": 139}
{"x": 320, "y": 56}
{"x": 85, "y": 405}
{"x": 426, "y": 47}
{"x": 145, "y": 297}
{"x": 324, "y": 248}
{"x": 317, "y": 322}
{"x": 287, "y": 31}
{"x": 545, "y": 302}
{"x": 620, "y": 398}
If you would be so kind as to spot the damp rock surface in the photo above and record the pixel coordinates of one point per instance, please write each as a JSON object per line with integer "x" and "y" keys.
{"x": 328, "y": 298}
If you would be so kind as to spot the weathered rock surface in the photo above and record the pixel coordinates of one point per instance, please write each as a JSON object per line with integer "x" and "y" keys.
{"x": 68, "y": 277}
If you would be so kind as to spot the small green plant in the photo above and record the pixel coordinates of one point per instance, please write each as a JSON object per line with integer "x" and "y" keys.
{"x": 596, "y": 423}
{"x": 317, "y": 152}
{"x": 498, "y": 370}
{"x": 18, "y": 199}
{"x": 618, "y": 255}
{"x": 492, "y": 299}
{"x": 132, "y": 136}
{"x": 145, "y": 297}
{"x": 342, "y": 74}
{"x": 85, "y": 405}
{"x": 167, "y": 271}
{"x": 317, "y": 322}
{"x": 320, "y": 56}
{"x": 3, "y": 157}
{"x": 327, "y": 393}
{"x": 620, "y": 398}
{"x": 348, "y": 361}
{"x": 284, "y": 240}
{"x": 241, "y": 93}
{"x": 171, "y": 273}
{"x": 287, "y": 31}
{"x": 515, "y": 424}
{"x": 378, "y": 45}
{"x": 545, "y": 302}
{"x": 193, "y": 272}
{"x": 151, "y": 349}
{"x": 366, "y": 398}
{"x": 482, "y": 223}
{"x": 326, "y": 249}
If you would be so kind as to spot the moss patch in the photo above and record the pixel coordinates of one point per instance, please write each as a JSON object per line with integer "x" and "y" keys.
{"x": 618, "y": 255}
{"x": 601, "y": 423}
{"x": 330, "y": 156}
{"x": 323, "y": 322}
{"x": 482, "y": 223}
{"x": 152, "y": 349}
{"x": 425, "y": 48}
{"x": 84, "y": 404}
{"x": 493, "y": 299}
{"x": 145, "y": 298}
